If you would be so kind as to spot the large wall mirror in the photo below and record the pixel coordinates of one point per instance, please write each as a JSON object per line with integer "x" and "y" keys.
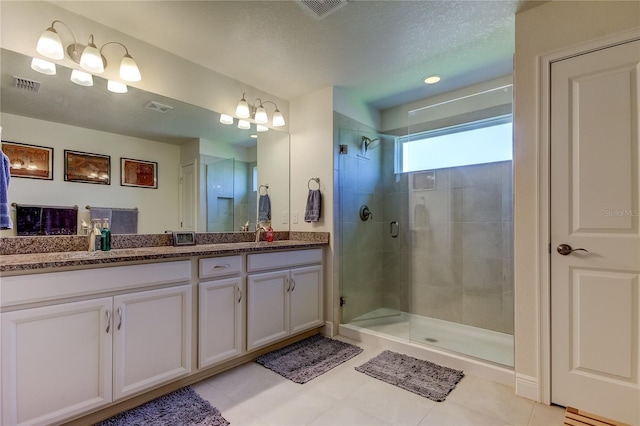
{"x": 227, "y": 168}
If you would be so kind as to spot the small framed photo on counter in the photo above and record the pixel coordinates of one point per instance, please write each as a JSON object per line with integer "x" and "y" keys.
{"x": 87, "y": 168}
{"x": 139, "y": 173}
{"x": 29, "y": 161}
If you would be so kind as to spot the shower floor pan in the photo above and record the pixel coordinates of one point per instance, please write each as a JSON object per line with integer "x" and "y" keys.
{"x": 488, "y": 353}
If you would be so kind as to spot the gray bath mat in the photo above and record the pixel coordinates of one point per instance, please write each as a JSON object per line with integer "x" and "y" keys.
{"x": 183, "y": 407}
{"x": 308, "y": 358}
{"x": 425, "y": 378}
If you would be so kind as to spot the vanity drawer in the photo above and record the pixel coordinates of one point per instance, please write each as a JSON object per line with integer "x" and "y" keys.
{"x": 284, "y": 259}
{"x": 220, "y": 266}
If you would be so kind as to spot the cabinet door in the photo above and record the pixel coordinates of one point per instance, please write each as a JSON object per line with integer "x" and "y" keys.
{"x": 306, "y": 298}
{"x": 267, "y": 308}
{"x": 220, "y": 320}
{"x": 56, "y": 361}
{"x": 152, "y": 338}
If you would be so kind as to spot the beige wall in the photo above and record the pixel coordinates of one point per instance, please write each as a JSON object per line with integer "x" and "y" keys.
{"x": 158, "y": 207}
{"x": 312, "y": 156}
{"x": 539, "y": 31}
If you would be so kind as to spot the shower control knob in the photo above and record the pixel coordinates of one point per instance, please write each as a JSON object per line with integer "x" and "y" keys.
{"x": 565, "y": 249}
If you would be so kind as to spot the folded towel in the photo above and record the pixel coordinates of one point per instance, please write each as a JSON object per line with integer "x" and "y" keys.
{"x": 124, "y": 221}
{"x": 314, "y": 204}
{"x": 28, "y": 220}
{"x": 5, "y": 177}
{"x": 264, "y": 208}
{"x": 59, "y": 221}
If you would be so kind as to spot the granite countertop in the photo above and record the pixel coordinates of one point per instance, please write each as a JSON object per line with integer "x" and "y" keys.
{"x": 34, "y": 261}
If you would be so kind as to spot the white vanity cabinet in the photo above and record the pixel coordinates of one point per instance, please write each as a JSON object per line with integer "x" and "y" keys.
{"x": 152, "y": 338}
{"x": 284, "y": 299}
{"x": 220, "y": 310}
{"x": 56, "y": 361}
{"x": 67, "y": 358}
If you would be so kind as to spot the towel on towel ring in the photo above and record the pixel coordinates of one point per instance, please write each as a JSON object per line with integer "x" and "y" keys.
{"x": 314, "y": 205}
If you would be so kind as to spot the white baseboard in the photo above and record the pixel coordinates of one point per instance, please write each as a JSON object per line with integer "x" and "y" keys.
{"x": 527, "y": 387}
{"x": 328, "y": 329}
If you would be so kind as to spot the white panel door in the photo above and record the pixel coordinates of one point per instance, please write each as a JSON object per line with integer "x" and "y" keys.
{"x": 152, "y": 338}
{"x": 188, "y": 197}
{"x": 220, "y": 321}
{"x": 595, "y": 192}
{"x": 56, "y": 361}
{"x": 306, "y": 298}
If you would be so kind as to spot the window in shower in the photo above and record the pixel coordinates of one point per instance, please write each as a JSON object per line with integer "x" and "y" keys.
{"x": 479, "y": 142}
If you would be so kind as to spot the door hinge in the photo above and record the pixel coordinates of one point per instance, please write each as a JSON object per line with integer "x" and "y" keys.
{"x": 343, "y": 300}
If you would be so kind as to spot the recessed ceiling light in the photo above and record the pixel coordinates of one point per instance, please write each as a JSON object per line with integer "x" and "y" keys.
{"x": 432, "y": 79}
{"x": 254, "y": 136}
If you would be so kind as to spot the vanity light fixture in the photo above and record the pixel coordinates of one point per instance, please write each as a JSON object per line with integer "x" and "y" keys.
{"x": 89, "y": 57}
{"x": 226, "y": 119}
{"x": 116, "y": 86}
{"x": 81, "y": 78}
{"x": 260, "y": 128}
{"x": 43, "y": 67}
{"x": 244, "y": 124}
{"x": 257, "y": 111}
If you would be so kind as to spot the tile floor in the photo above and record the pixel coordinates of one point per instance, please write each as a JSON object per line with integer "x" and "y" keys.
{"x": 253, "y": 395}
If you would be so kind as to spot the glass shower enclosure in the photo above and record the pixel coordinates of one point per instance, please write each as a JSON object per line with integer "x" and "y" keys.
{"x": 432, "y": 262}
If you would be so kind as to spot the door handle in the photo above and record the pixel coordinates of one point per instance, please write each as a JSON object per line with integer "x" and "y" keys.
{"x": 565, "y": 249}
{"x": 394, "y": 234}
{"x": 120, "y": 317}
{"x": 108, "y": 321}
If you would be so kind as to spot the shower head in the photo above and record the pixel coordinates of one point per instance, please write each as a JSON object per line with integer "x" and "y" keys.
{"x": 369, "y": 144}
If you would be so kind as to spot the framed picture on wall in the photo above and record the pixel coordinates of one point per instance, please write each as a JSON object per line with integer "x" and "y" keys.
{"x": 29, "y": 161}
{"x": 87, "y": 168}
{"x": 140, "y": 173}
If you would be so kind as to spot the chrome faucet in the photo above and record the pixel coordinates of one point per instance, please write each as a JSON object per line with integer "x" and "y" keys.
{"x": 259, "y": 229}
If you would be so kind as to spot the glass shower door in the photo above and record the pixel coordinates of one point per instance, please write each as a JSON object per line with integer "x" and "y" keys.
{"x": 369, "y": 272}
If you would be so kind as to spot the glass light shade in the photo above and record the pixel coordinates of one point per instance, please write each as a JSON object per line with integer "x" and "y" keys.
{"x": 226, "y": 119}
{"x": 116, "y": 86}
{"x": 278, "y": 119}
{"x": 242, "y": 110}
{"x": 244, "y": 124}
{"x": 81, "y": 78}
{"x": 260, "y": 128}
{"x": 261, "y": 115}
{"x": 50, "y": 45}
{"x": 91, "y": 59}
{"x": 42, "y": 66}
{"x": 129, "y": 69}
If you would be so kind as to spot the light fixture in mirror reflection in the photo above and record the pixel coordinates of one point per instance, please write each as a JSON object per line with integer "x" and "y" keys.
{"x": 190, "y": 130}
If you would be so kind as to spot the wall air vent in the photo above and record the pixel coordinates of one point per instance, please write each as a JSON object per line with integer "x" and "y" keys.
{"x": 23, "y": 83}
{"x": 158, "y": 107}
{"x": 321, "y": 8}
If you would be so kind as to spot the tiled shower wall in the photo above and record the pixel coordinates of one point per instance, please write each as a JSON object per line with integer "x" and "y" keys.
{"x": 454, "y": 264}
{"x": 461, "y": 257}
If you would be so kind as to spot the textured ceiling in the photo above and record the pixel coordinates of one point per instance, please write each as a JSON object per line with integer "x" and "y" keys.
{"x": 379, "y": 50}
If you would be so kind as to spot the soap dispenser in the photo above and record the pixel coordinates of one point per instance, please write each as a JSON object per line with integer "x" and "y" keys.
{"x": 269, "y": 234}
{"x": 93, "y": 232}
{"x": 105, "y": 240}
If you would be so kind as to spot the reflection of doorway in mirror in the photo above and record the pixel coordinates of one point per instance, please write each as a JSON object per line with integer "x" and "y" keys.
{"x": 229, "y": 189}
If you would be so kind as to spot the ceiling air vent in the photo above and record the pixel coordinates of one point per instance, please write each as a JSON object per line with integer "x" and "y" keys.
{"x": 158, "y": 107}
{"x": 321, "y": 8}
{"x": 23, "y": 83}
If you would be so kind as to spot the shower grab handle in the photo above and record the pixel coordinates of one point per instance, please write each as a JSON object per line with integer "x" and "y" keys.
{"x": 397, "y": 230}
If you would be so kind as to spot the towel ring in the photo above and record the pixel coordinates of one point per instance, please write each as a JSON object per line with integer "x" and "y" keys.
{"x": 316, "y": 179}
{"x": 266, "y": 189}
